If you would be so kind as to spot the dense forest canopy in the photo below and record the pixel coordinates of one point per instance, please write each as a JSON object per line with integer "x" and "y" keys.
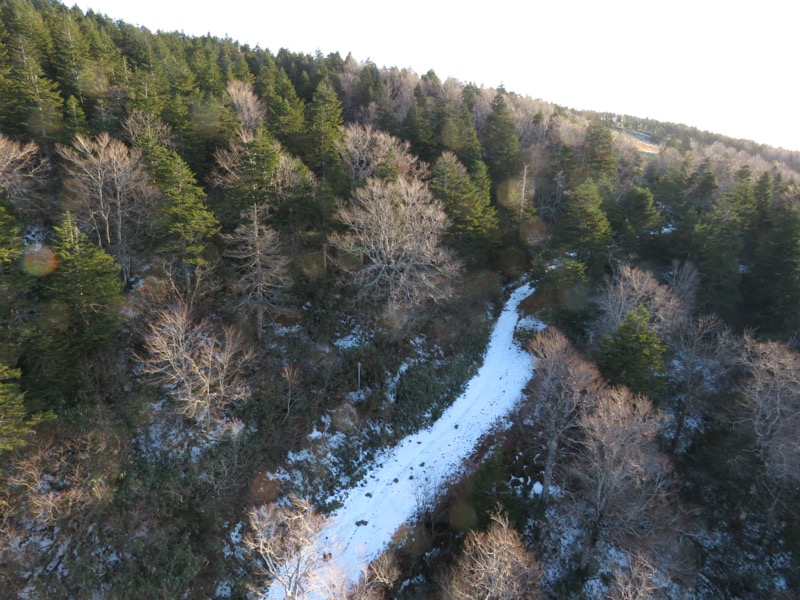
{"x": 219, "y": 263}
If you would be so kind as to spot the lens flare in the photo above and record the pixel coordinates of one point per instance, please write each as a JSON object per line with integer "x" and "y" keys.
{"x": 39, "y": 261}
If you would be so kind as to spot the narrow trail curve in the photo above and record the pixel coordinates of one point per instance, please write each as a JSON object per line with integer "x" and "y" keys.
{"x": 421, "y": 463}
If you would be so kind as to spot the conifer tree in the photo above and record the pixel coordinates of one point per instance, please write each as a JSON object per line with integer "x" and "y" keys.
{"x": 718, "y": 260}
{"x": 246, "y": 170}
{"x": 80, "y": 313}
{"x": 183, "y": 219}
{"x": 701, "y": 188}
{"x": 771, "y": 287}
{"x": 635, "y": 218}
{"x": 9, "y": 100}
{"x": 473, "y": 218}
{"x": 325, "y": 131}
{"x": 40, "y": 102}
{"x": 501, "y": 145}
{"x": 600, "y": 160}
{"x": 15, "y": 423}
{"x": 632, "y": 355}
{"x": 417, "y": 128}
{"x": 285, "y": 111}
{"x": 465, "y": 145}
{"x": 70, "y": 54}
{"x": 584, "y": 228}
{"x": 14, "y": 287}
{"x": 74, "y": 120}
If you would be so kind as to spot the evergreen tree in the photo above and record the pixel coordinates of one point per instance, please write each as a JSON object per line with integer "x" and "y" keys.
{"x": 368, "y": 87}
{"x": 185, "y": 223}
{"x": 325, "y": 132}
{"x": 246, "y": 172}
{"x": 74, "y": 120}
{"x": 771, "y": 287}
{"x": 15, "y": 423}
{"x": 79, "y": 313}
{"x": 584, "y": 229}
{"x": 286, "y": 112}
{"x": 718, "y": 260}
{"x": 601, "y": 163}
{"x": 9, "y": 100}
{"x": 763, "y": 197}
{"x": 70, "y": 54}
{"x": 633, "y": 355}
{"x": 701, "y": 188}
{"x": 37, "y": 98}
{"x": 14, "y": 286}
{"x": 202, "y": 59}
{"x": 473, "y": 218}
{"x": 501, "y": 145}
{"x": 635, "y": 219}
{"x": 463, "y": 141}
{"x": 417, "y": 128}
{"x": 565, "y": 289}
{"x": 670, "y": 191}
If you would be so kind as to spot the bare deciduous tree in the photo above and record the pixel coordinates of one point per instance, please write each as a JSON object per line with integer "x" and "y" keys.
{"x": 109, "y": 190}
{"x": 398, "y": 91}
{"x": 771, "y": 402}
{"x": 291, "y": 375}
{"x": 21, "y": 169}
{"x": 290, "y": 175}
{"x": 285, "y": 543}
{"x": 622, "y": 476}
{"x": 630, "y": 287}
{"x": 200, "y": 367}
{"x": 636, "y": 581}
{"x": 248, "y": 108}
{"x": 378, "y": 578}
{"x": 141, "y": 124}
{"x": 705, "y": 350}
{"x": 684, "y": 280}
{"x": 564, "y": 383}
{"x": 395, "y": 229}
{"x": 366, "y": 151}
{"x": 494, "y": 565}
{"x": 263, "y": 269}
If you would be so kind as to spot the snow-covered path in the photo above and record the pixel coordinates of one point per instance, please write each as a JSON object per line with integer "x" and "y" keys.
{"x": 421, "y": 463}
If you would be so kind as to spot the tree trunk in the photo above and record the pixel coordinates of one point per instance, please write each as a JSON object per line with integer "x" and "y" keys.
{"x": 680, "y": 423}
{"x": 549, "y": 465}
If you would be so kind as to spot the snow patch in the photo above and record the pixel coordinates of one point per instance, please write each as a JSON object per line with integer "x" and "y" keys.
{"x": 224, "y": 590}
{"x": 389, "y": 495}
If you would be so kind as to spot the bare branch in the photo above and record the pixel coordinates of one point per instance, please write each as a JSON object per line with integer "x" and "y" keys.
{"x": 285, "y": 543}
{"x": 622, "y": 476}
{"x": 494, "y": 565}
{"x": 630, "y": 287}
{"x": 200, "y": 367}
{"x": 21, "y": 170}
{"x": 263, "y": 268}
{"x": 771, "y": 403}
{"x": 140, "y": 124}
{"x": 395, "y": 229}
{"x": 249, "y": 110}
{"x": 563, "y": 387}
{"x": 109, "y": 190}
{"x": 366, "y": 151}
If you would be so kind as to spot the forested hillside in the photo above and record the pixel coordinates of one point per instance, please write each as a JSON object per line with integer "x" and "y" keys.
{"x": 230, "y": 277}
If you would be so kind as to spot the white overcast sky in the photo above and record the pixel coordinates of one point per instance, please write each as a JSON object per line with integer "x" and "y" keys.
{"x": 728, "y": 67}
